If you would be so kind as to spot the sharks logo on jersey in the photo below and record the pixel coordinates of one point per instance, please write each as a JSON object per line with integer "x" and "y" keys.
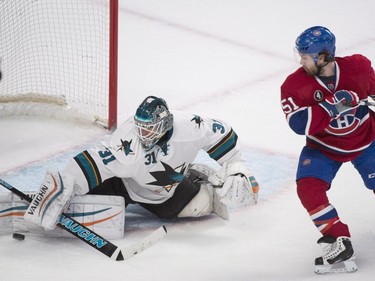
{"x": 164, "y": 148}
{"x": 169, "y": 177}
{"x": 198, "y": 120}
{"x": 125, "y": 146}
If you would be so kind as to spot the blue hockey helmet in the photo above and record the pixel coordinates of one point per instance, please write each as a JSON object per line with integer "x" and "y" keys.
{"x": 152, "y": 120}
{"x": 316, "y": 40}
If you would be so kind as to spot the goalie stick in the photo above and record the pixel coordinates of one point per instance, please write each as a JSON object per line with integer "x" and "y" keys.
{"x": 93, "y": 239}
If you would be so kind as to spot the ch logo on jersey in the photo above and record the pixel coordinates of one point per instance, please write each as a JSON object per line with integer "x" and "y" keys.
{"x": 344, "y": 125}
{"x": 169, "y": 177}
{"x": 198, "y": 120}
{"x": 125, "y": 146}
{"x": 318, "y": 95}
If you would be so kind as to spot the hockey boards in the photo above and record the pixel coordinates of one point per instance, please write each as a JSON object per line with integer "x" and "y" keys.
{"x": 93, "y": 239}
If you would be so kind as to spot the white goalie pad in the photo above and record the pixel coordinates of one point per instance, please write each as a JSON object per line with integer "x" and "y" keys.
{"x": 103, "y": 214}
{"x": 205, "y": 203}
{"x": 205, "y": 170}
{"x": 235, "y": 184}
{"x": 8, "y": 212}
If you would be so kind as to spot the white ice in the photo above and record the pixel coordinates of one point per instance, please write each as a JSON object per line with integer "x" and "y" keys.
{"x": 220, "y": 58}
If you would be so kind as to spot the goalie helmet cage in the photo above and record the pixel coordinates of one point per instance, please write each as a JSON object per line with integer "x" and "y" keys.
{"x": 59, "y": 58}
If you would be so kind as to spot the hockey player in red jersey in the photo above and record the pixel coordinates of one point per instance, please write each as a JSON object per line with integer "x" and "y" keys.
{"x": 324, "y": 100}
{"x": 148, "y": 161}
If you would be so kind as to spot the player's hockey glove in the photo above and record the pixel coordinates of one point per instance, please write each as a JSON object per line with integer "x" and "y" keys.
{"x": 341, "y": 103}
{"x": 50, "y": 201}
{"x": 235, "y": 184}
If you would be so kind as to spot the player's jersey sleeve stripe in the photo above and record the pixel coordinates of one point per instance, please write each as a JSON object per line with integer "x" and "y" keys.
{"x": 89, "y": 169}
{"x": 299, "y": 121}
{"x": 224, "y": 146}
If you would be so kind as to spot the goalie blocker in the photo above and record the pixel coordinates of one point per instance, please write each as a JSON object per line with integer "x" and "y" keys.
{"x": 104, "y": 215}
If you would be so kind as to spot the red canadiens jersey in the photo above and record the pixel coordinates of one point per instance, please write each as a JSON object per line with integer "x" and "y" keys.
{"x": 342, "y": 139}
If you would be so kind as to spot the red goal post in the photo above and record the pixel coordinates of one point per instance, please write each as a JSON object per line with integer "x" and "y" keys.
{"x": 59, "y": 58}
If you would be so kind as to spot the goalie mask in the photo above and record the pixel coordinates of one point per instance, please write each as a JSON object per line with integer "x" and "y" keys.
{"x": 152, "y": 120}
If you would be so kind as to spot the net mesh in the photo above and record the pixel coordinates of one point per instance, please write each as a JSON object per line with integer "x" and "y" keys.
{"x": 59, "y": 49}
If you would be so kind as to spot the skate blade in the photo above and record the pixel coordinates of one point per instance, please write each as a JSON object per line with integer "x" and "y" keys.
{"x": 344, "y": 266}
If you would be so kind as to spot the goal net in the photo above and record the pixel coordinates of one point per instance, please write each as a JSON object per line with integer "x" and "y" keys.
{"x": 59, "y": 58}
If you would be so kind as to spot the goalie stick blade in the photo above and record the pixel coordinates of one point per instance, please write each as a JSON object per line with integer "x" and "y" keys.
{"x": 145, "y": 243}
{"x": 341, "y": 267}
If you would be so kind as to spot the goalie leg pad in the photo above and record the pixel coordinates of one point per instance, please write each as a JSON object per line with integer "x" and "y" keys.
{"x": 50, "y": 201}
{"x": 8, "y": 211}
{"x": 103, "y": 214}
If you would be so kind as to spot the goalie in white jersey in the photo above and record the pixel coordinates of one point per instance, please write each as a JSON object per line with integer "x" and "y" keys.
{"x": 148, "y": 161}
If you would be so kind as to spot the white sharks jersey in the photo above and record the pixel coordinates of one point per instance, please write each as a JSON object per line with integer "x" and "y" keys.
{"x": 152, "y": 176}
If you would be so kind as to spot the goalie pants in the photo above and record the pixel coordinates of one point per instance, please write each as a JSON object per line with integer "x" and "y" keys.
{"x": 184, "y": 193}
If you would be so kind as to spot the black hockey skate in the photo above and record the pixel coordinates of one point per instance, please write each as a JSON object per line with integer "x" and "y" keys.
{"x": 337, "y": 256}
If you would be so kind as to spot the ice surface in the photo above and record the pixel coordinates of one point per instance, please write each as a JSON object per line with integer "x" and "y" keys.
{"x": 220, "y": 58}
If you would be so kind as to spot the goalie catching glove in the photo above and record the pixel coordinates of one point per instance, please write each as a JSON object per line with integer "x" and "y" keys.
{"x": 50, "y": 201}
{"x": 235, "y": 184}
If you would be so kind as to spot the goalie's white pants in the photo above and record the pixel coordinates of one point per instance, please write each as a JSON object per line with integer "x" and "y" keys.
{"x": 105, "y": 215}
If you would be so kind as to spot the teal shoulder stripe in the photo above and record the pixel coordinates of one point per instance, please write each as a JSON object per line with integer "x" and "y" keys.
{"x": 224, "y": 146}
{"x": 89, "y": 169}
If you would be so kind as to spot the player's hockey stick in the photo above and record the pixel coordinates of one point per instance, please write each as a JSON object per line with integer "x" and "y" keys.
{"x": 366, "y": 102}
{"x": 93, "y": 239}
